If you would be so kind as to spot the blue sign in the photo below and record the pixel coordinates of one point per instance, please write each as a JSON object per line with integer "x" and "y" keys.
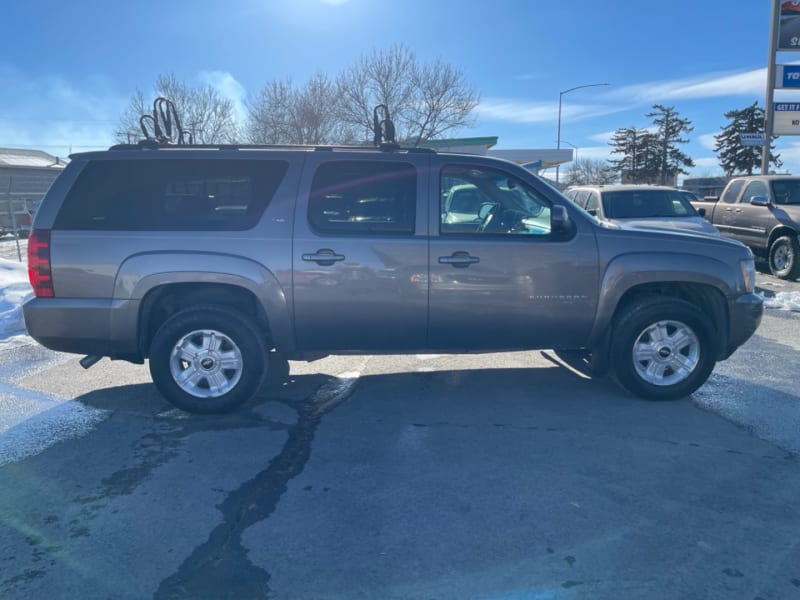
{"x": 791, "y": 76}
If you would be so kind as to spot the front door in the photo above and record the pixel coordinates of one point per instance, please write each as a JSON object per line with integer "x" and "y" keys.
{"x": 500, "y": 279}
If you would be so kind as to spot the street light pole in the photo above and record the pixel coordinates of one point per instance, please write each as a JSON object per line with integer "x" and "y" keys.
{"x": 574, "y": 147}
{"x": 560, "y": 96}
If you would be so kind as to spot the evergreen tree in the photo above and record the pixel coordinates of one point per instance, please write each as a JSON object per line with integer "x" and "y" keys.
{"x": 669, "y": 128}
{"x": 735, "y": 158}
{"x": 638, "y": 149}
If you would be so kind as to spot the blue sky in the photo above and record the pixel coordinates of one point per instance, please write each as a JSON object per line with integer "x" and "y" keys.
{"x": 68, "y": 69}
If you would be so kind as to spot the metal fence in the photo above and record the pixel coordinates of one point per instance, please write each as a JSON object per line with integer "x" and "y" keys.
{"x": 21, "y": 191}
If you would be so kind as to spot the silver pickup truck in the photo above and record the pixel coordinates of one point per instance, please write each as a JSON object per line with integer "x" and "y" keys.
{"x": 219, "y": 264}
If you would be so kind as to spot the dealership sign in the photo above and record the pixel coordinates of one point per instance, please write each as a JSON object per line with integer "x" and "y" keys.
{"x": 752, "y": 139}
{"x": 787, "y": 77}
{"x": 789, "y": 29}
{"x": 787, "y": 118}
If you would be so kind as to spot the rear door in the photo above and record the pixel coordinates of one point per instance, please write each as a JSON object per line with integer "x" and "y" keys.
{"x": 360, "y": 255}
{"x": 504, "y": 281}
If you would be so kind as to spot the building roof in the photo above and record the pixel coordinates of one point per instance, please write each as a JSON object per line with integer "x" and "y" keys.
{"x": 19, "y": 157}
{"x": 533, "y": 159}
{"x": 542, "y": 158}
{"x": 474, "y": 145}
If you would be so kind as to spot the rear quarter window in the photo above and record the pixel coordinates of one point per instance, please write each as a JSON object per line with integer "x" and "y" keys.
{"x": 170, "y": 194}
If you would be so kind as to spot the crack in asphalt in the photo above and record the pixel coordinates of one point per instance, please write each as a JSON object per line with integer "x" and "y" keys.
{"x": 220, "y": 568}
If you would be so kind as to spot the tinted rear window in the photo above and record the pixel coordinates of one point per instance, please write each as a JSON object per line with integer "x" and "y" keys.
{"x": 171, "y": 194}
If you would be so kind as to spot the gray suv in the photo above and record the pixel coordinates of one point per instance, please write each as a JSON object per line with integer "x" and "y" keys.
{"x": 219, "y": 264}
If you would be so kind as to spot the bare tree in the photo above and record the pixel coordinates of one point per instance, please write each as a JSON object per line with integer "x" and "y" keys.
{"x": 587, "y": 171}
{"x": 203, "y": 112}
{"x": 425, "y": 100}
{"x": 283, "y": 114}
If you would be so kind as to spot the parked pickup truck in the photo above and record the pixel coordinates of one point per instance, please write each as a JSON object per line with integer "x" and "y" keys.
{"x": 763, "y": 212}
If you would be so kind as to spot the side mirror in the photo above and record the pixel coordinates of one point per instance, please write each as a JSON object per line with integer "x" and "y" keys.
{"x": 559, "y": 219}
{"x": 592, "y": 211}
{"x": 701, "y": 212}
{"x": 759, "y": 201}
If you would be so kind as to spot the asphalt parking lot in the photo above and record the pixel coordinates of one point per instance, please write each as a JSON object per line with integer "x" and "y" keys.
{"x": 502, "y": 476}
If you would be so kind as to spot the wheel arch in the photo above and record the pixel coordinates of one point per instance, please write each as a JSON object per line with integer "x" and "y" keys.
{"x": 780, "y": 231}
{"x": 150, "y": 288}
{"x": 684, "y": 277}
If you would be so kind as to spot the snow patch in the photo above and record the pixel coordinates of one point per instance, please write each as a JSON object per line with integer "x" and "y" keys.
{"x": 14, "y": 292}
{"x": 783, "y": 301}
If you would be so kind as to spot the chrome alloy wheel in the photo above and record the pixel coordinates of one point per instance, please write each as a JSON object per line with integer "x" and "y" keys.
{"x": 666, "y": 353}
{"x": 781, "y": 257}
{"x": 206, "y": 363}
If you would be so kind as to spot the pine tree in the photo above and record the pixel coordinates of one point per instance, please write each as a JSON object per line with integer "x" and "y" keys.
{"x": 669, "y": 127}
{"x": 735, "y": 158}
{"x": 638, "y": 161}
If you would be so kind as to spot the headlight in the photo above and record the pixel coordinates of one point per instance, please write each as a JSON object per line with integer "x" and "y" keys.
{"x": 748, "y": 274}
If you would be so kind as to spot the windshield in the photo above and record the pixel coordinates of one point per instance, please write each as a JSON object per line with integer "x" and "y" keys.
{"x": 786, "y": 192}
{"x": 641, "y": 204}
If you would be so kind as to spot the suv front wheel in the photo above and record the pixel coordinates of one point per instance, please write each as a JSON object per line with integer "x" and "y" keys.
{"x": 662, "y": 348}
{"x": 208, "y": 359}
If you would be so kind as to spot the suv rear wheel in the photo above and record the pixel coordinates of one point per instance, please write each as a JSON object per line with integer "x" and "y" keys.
{"x": 208, "y": 359}
{"x": 662, "y": 349}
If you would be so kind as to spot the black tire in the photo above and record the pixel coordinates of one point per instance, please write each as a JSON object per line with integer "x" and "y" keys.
{"x": 676, "y": 355}
{"x": 212, "y": 338}
{"x": 784, "y": 258}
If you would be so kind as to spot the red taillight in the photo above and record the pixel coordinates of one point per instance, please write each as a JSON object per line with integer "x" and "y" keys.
{"x": 39, "y": 272}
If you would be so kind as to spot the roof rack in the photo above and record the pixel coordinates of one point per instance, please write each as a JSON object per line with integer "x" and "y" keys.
{"x": 165, "y": 132}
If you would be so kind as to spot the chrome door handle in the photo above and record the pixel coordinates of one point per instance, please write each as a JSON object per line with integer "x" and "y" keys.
{"x": 459, "y": 260}
{"x": 324, "y": 257}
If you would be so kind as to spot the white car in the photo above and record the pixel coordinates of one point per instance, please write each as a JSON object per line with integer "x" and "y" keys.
{"x": 649, "y": 206}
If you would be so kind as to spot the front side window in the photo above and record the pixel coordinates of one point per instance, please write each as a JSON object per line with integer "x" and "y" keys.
{"x": 170, "y": 194}
{"x": 756, "y": 188}
{"x": 480, "y": 200}
{"x": 364, "y": 198}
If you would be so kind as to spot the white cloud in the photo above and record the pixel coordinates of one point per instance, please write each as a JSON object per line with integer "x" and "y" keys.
{"x": 603, "y": 138}
{"x": 520, "y": 111}
{"x": 710, "y": 85}
{"x": 619, "y": 99}
{"x": 594, "y": 153}
{"x": 708, "y": 140}
{"x": 227, "y": 85}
